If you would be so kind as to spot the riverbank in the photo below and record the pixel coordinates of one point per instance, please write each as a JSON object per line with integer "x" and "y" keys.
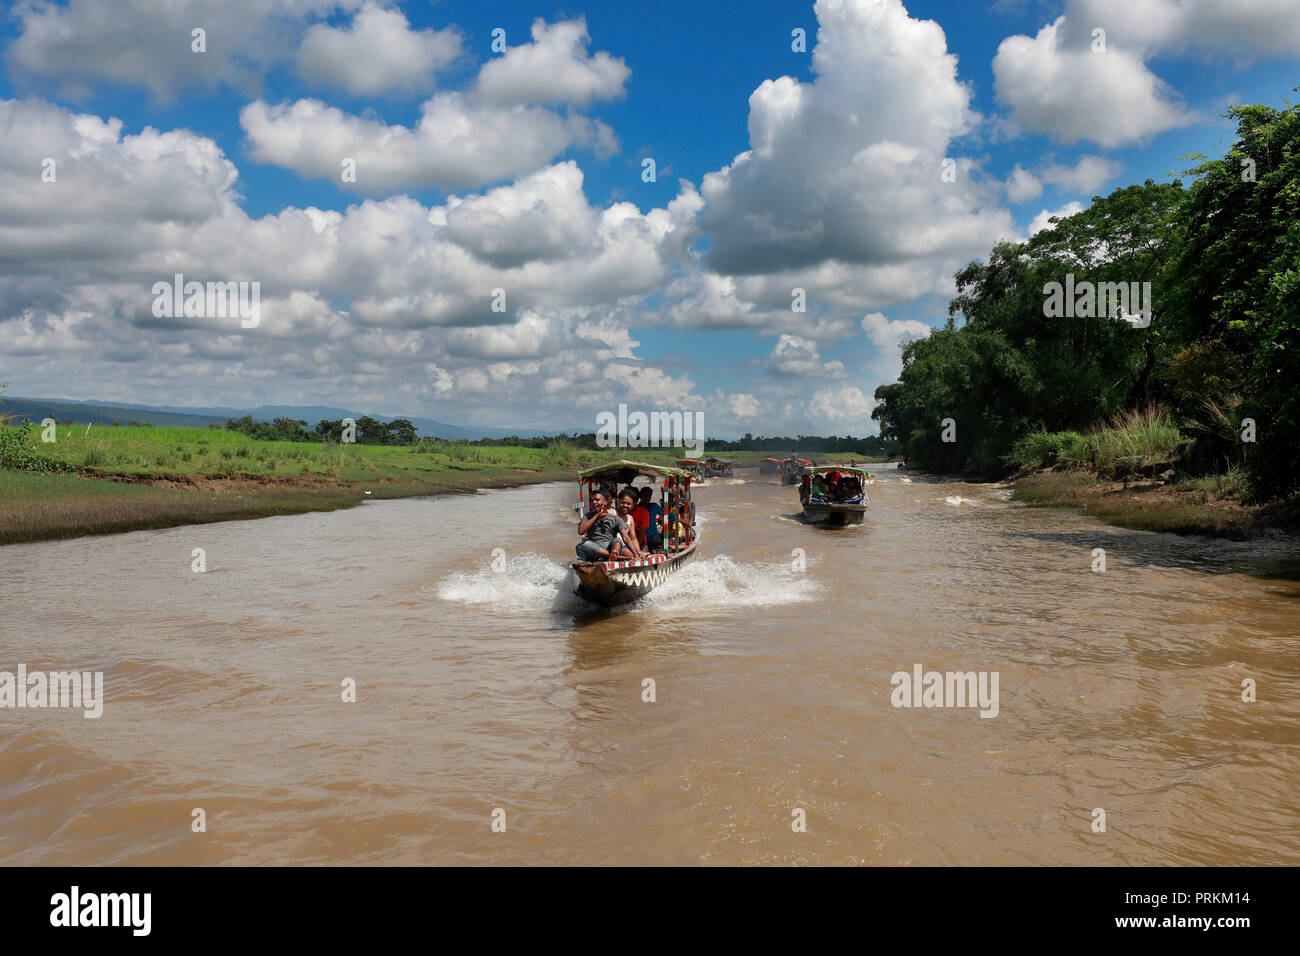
{"x": 1207, "y": 506}
{"x": 37, "y": 507}
{"x": 109, "y": 480}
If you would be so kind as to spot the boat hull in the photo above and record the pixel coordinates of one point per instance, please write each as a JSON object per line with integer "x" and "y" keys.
{"x": 610, "y": 583}
{"x": 835, "y": 515}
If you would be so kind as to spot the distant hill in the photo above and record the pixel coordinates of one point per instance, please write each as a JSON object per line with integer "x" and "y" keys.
{"x": 104, "y": 413}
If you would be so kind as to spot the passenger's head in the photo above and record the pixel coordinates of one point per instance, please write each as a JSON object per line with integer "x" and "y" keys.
{"x": 647, "y": 495}
{"x": 627, "y": 500}
{"x": 599, "y": 499}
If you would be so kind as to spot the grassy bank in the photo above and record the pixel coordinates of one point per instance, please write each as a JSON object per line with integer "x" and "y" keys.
{"x": 108, "y": 480}
{"x": 1129, "y": 472}
{"x": 1209, "y": 506}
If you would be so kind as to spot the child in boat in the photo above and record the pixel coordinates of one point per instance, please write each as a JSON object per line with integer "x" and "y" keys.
{"x": 604, "y": 532}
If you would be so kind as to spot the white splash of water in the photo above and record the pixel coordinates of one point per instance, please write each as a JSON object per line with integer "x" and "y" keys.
{"x": 721, "y": 582}
{"x": 527, "y": 582}
{"x": 534, "y": 582}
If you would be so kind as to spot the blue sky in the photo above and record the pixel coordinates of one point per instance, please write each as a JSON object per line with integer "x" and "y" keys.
{"x": 367, "y": 334}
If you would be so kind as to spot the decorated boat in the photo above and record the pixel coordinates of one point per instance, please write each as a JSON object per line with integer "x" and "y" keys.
{"x": 835, "y": 494}
{"x": 696, "y": 468}
{"x": 792, "y": 469}
{"x": 611, "y": 583}
{"x": 719, "y": 467}
{"x": 769, "y": 466}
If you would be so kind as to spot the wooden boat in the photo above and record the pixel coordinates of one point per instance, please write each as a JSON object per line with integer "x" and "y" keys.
{"x": 769, "y": 466}
{"x": 792, "y": 469}
{"x": 719, "y": 467}
{"x": 835, "y": 510}
{"x": 695, "y": 467}
{"x": 610, "y": 583}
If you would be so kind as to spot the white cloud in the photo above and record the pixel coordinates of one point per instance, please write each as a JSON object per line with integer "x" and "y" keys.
{"x": 793, "y": 355}
{"x": 495, "y": 131}
{"x": 148, "y": 44}
{"x": 848, "y": 168}
{"x": 553, "y": 68}
{"x": 890, "y": 334}
{"x": 1043, "y": 219}
{"x": 78, "y": 259}
{"x": 1056, "y": 84}
{"x": 1073, "y": 93}
{"x": 843, "y": 406}
{"x": 456, "y": 144}
{"x": 378, "y": 52}
{"x": 1022, "y": 185}
{"x": 1087, "y": 174}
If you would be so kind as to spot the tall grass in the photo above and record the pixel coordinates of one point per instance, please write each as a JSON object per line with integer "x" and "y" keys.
{"x": 1141, "y": 441}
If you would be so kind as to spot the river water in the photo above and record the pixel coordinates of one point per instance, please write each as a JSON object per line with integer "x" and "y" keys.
{"x": 482, "y": 686}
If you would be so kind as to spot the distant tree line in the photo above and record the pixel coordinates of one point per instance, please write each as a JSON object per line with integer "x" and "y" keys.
{"x": 370, "y": 431}
{"x": 871, "y": 446}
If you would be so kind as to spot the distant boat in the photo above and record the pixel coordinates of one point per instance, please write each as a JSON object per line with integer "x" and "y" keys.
{"x": 610, "y": 583}
{"x": 769, "y": 466}
{"x": 792, "y": 469}
{"x": 846, "y": 501}
{"x": 719, "y": 467}
{"x": 697, "y": 468}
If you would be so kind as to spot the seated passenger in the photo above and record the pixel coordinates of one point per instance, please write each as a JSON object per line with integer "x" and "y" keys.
{"x": 604, "y": 532}
{"x": 628, "y": 503}
{"x": 654, "y": 536}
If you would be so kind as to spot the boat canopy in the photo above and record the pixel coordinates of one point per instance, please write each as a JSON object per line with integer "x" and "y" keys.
{"x": 720, "y": 461}
{"x": 771, "y": 459}
{"x": 624, "y": 471}
{"x": 849, "y": 469}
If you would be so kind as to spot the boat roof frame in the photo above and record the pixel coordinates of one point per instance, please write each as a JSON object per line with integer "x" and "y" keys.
{"x": 851, "y": 469}
{"x": 638, "y": 468}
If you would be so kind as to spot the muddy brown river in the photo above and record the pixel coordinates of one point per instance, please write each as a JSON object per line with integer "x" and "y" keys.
{"x": 486, "y": 693}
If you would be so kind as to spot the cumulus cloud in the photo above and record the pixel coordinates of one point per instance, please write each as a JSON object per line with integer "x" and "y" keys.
{"x": 382, "y": 302}
{"x": 1073, "y": 93}
{"x": 1085, "y": 176}
{"x": 1063, "y": 83}
{"x": 148, "y": 44}
{"x": 455, "y": 145}
{"x": 797, "y": 356}
{"x": 1044, "y": 219}
{"x": 378, "y": 52}
{"x": 489, "y": 134}
{"x": 849, "y": 167}
{"x": 553, "y": 68}
{"x": 847, "y": 406}
{"x": 1023, "y": 185}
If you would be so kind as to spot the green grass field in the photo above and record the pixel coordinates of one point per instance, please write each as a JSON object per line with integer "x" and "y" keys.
{"x": 129, "y": 478}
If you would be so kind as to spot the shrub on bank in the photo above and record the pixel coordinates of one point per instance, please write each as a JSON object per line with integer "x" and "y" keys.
{"x": 1135, "y": 442}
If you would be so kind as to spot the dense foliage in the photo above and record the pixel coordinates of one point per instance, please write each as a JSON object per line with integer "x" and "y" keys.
{"x": 1222, "y": 348}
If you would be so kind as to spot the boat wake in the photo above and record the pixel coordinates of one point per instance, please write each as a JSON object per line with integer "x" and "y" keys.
{"x": 534, "y": 582}
{"x": 524, "y": 582}
{"x": 720, "y": 582}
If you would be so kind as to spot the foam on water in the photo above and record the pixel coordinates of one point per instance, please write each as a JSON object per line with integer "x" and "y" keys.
{"x": 722, "y": 582}
{"x": 528, "y": 582}
{"x": 534, "y": 582}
